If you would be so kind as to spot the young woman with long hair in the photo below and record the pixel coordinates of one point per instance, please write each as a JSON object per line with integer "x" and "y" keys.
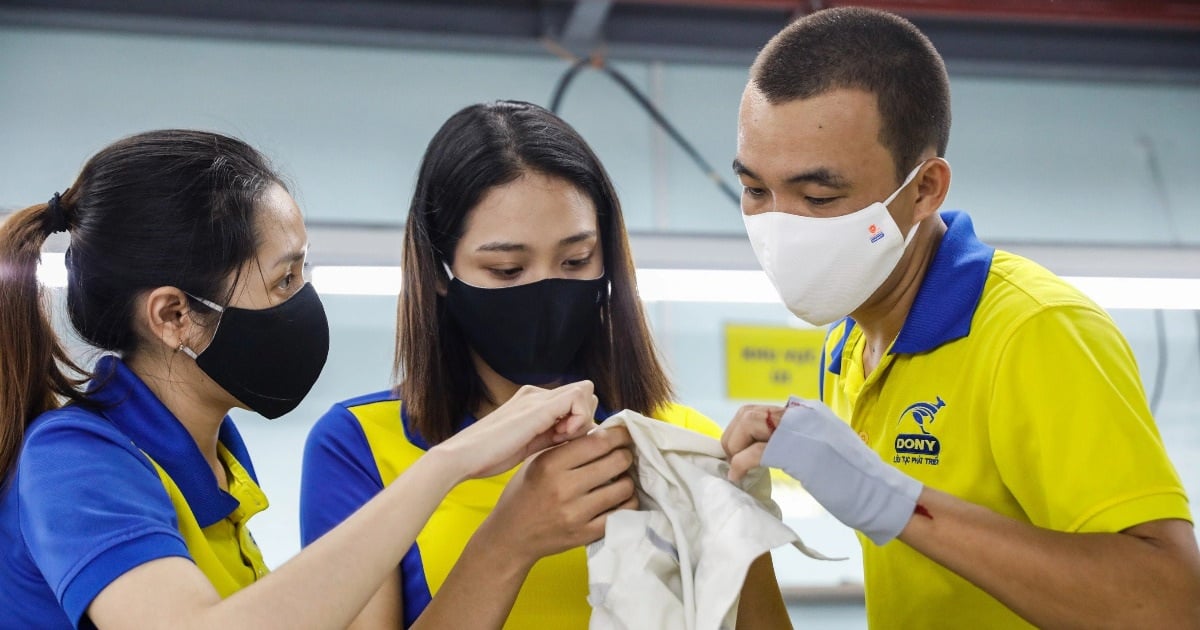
{"x": 517, "y": 271}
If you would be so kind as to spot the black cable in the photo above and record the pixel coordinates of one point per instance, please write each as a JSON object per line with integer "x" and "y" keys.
{"x": 654, "y": 113}
{"x": 1159, "y": 184}
{"x": 563, "y": 82}
{"x": 1160, "y": 373}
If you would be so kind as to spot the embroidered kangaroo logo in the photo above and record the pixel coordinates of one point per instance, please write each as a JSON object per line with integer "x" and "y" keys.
{"x": 922, "y": 413}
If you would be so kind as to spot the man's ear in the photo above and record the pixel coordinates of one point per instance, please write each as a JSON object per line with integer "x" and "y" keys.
{"x": 169, "y": 317}
{"x": 932, "y": 185}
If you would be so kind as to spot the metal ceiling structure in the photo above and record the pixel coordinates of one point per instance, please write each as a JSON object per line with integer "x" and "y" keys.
{"x": 1134, "y": 40}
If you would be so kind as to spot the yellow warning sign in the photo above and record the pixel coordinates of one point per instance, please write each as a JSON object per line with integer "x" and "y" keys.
{"x": 770, "y": 363}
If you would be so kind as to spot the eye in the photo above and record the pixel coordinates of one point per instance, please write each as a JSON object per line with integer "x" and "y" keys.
{"x": 820, "y": 201}
{"x": 577, "y": 263}
{"x": 505, "y": 273}
{"x": 756, "y": 193}
{"x": 286, "y": 282}
{"x": 297, "y": 274}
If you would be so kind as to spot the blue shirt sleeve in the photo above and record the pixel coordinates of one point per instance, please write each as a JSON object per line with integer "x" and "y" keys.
{"x": 91, "y": 507}
{"x": 339, "y": 473}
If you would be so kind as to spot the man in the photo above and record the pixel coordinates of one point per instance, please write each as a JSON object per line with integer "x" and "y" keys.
{"x": 1021, "y": 469}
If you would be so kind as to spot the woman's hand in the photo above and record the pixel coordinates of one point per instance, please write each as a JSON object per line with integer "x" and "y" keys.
{"x": 561, "y": 498}
{"x": 532, "y": 420}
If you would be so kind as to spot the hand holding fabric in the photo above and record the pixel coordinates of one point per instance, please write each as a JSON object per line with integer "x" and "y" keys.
{"x": 532, "y": 420}
{"x": 560, "y": 499}
{"x": 809, "y": 442}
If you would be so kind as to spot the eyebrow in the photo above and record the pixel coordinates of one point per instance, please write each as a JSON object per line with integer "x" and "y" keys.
{"x": 820, "y": 175}
{"x": 292, "y": 257}
{"x": 741, "y": 169}
{"x": 578, "y": 238}
{"x": 497, "y": 246}
{"x": 501, "y": 246}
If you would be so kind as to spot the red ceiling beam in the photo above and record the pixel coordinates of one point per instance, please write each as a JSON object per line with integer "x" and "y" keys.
{"x": 1169, "y": 14}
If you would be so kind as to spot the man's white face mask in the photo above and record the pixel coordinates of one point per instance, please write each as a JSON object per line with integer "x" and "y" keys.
{"x": 825, "y": 268}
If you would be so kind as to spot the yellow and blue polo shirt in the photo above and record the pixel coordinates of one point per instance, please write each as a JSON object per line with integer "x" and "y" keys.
{"x": 103, "y": 488}
{"x": 1010, "y": 389}
{"x": 361, "y": 445}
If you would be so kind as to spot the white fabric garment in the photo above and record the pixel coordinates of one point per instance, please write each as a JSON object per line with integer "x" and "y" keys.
{"x": 679, "y": 560}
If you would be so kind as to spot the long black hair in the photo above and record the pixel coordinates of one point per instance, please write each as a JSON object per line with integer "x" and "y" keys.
{"x": 479, "y": 148}
{"x": 163, "y": 208}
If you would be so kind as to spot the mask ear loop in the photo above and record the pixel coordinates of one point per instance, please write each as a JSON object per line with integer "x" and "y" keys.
{"x": 450, "y": 274}
{"x": 907, "y": 180}
{"x": 214, "y": 306}
{"x": 912, "y": 232}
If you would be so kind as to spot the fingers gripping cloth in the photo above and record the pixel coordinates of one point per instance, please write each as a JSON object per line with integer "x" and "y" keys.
{"x": 844, "y": 475}
{"x": 679, "y": 561}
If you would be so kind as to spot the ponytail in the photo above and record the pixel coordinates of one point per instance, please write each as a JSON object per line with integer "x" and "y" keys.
{"x": 172, "y": 207}
{"x": 35, "y": 371}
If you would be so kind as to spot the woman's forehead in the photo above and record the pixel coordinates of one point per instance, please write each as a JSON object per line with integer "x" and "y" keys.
{"x": 534, "y": 210}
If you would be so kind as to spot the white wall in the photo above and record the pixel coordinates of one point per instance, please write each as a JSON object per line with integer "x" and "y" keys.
{"x": 1033, "y": 161}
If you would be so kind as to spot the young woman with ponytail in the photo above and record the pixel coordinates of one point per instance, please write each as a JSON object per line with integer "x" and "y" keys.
{"x": 126, "y": 491}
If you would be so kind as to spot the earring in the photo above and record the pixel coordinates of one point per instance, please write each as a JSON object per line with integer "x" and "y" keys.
{"x": 180, "y": 347}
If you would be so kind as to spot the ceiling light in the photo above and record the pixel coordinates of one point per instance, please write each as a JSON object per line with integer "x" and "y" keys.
{"x": 741, "y": 286}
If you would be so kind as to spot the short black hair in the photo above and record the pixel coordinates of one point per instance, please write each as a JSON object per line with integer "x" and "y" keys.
{"x": 871, "y": 50}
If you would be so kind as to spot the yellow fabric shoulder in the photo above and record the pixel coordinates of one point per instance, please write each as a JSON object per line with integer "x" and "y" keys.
{"x": 554, "y": 594}
{"x": 688, "y": 418}
{"x": 224, "y": 551}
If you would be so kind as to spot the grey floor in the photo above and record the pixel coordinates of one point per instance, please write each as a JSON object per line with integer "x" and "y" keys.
{"x": 829, "y": 616}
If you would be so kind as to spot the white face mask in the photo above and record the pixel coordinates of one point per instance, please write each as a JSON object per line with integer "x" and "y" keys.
{"x": 826, "y": 268}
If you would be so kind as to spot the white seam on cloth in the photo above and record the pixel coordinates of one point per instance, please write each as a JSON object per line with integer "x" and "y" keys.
{"x": 679, "y": 561}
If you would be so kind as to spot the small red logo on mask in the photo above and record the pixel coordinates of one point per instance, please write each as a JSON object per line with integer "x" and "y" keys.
{"x": 876, "y": 233}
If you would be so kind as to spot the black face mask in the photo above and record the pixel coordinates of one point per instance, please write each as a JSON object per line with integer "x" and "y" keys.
{"x": 269, "y": 358}
{"x": 531, "y": 333}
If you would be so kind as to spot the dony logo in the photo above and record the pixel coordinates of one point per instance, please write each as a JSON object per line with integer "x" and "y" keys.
{"x": 876, "y": 233}
{"x": 922, "y": 413}
{"x": 923, "y": 443}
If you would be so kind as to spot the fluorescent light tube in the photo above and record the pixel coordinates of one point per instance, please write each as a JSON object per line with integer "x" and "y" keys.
{"x": 722, "y": 285}
{"x": 1140, "y": 293}
{"x": 53, "y": 270}
{"x": 356, "y": 280}
{"x": 706, "y": 285}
